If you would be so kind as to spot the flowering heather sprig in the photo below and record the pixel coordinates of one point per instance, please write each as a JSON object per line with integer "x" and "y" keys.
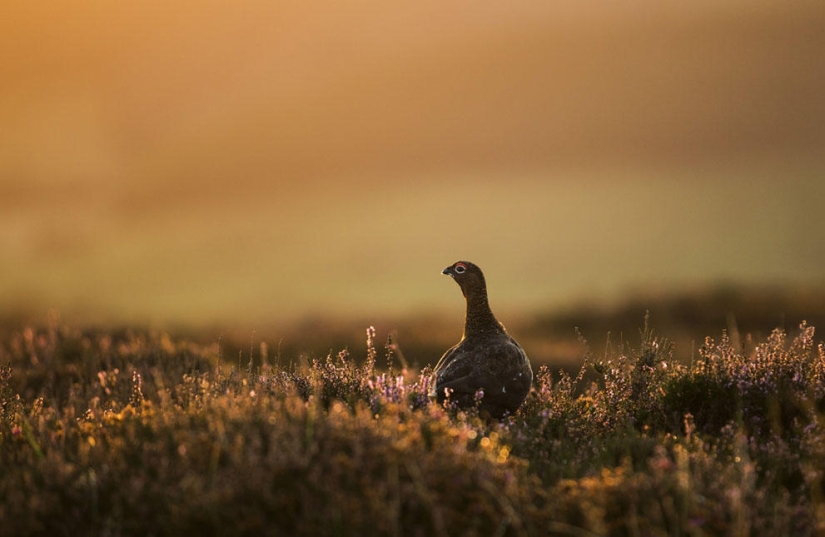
{"x": 369, "y": 366}
{"x": 10, "y": 402}
{"x": 343, "y": 356}
{"x": 387, "y": 388}
{"x": 389, "y": 350}
{"x": 136, "y": 399}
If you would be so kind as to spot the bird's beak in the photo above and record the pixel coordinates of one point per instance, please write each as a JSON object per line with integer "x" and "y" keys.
{"x": 448, "y": 272}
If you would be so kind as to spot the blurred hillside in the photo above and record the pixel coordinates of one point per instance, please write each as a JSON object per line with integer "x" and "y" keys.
{"x": 550, "y": 337}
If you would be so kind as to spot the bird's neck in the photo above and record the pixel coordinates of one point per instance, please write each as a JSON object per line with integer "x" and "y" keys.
{"x": 479, "y": 317}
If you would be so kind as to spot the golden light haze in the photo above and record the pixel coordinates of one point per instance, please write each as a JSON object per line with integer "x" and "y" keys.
{"x": 202, "y": 161}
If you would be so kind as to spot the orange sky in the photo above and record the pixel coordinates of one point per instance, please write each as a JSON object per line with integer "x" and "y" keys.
{"x": 270, "y": 159}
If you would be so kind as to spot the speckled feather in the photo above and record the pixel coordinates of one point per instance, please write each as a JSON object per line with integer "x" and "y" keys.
{"x": 487, "y": 358}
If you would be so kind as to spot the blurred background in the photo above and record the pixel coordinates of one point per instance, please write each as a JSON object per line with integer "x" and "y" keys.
{"x": 297, "y": 169}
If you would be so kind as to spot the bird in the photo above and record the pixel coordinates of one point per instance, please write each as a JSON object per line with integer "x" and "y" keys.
{"x": 487, "y": 366}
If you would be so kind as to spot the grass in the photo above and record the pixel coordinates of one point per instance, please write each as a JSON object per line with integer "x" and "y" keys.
{"x": 124, "y": 432}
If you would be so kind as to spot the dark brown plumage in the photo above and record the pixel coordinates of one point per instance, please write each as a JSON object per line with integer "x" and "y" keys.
{"x": 485, "y": 359}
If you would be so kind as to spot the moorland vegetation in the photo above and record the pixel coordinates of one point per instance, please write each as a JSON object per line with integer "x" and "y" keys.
{"x": 134, "y": 432}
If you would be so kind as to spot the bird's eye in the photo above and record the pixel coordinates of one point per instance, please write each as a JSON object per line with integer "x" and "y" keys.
{"x": 460, "y": 268}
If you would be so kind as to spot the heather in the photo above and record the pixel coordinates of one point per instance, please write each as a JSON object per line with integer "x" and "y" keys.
{"x": 134, "y": 432}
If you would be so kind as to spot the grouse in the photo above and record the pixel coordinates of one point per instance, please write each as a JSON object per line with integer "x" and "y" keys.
{"x": 487, "y": 362}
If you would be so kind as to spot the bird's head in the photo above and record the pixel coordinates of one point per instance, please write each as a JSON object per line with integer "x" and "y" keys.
{"x": 467, "y": 275}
